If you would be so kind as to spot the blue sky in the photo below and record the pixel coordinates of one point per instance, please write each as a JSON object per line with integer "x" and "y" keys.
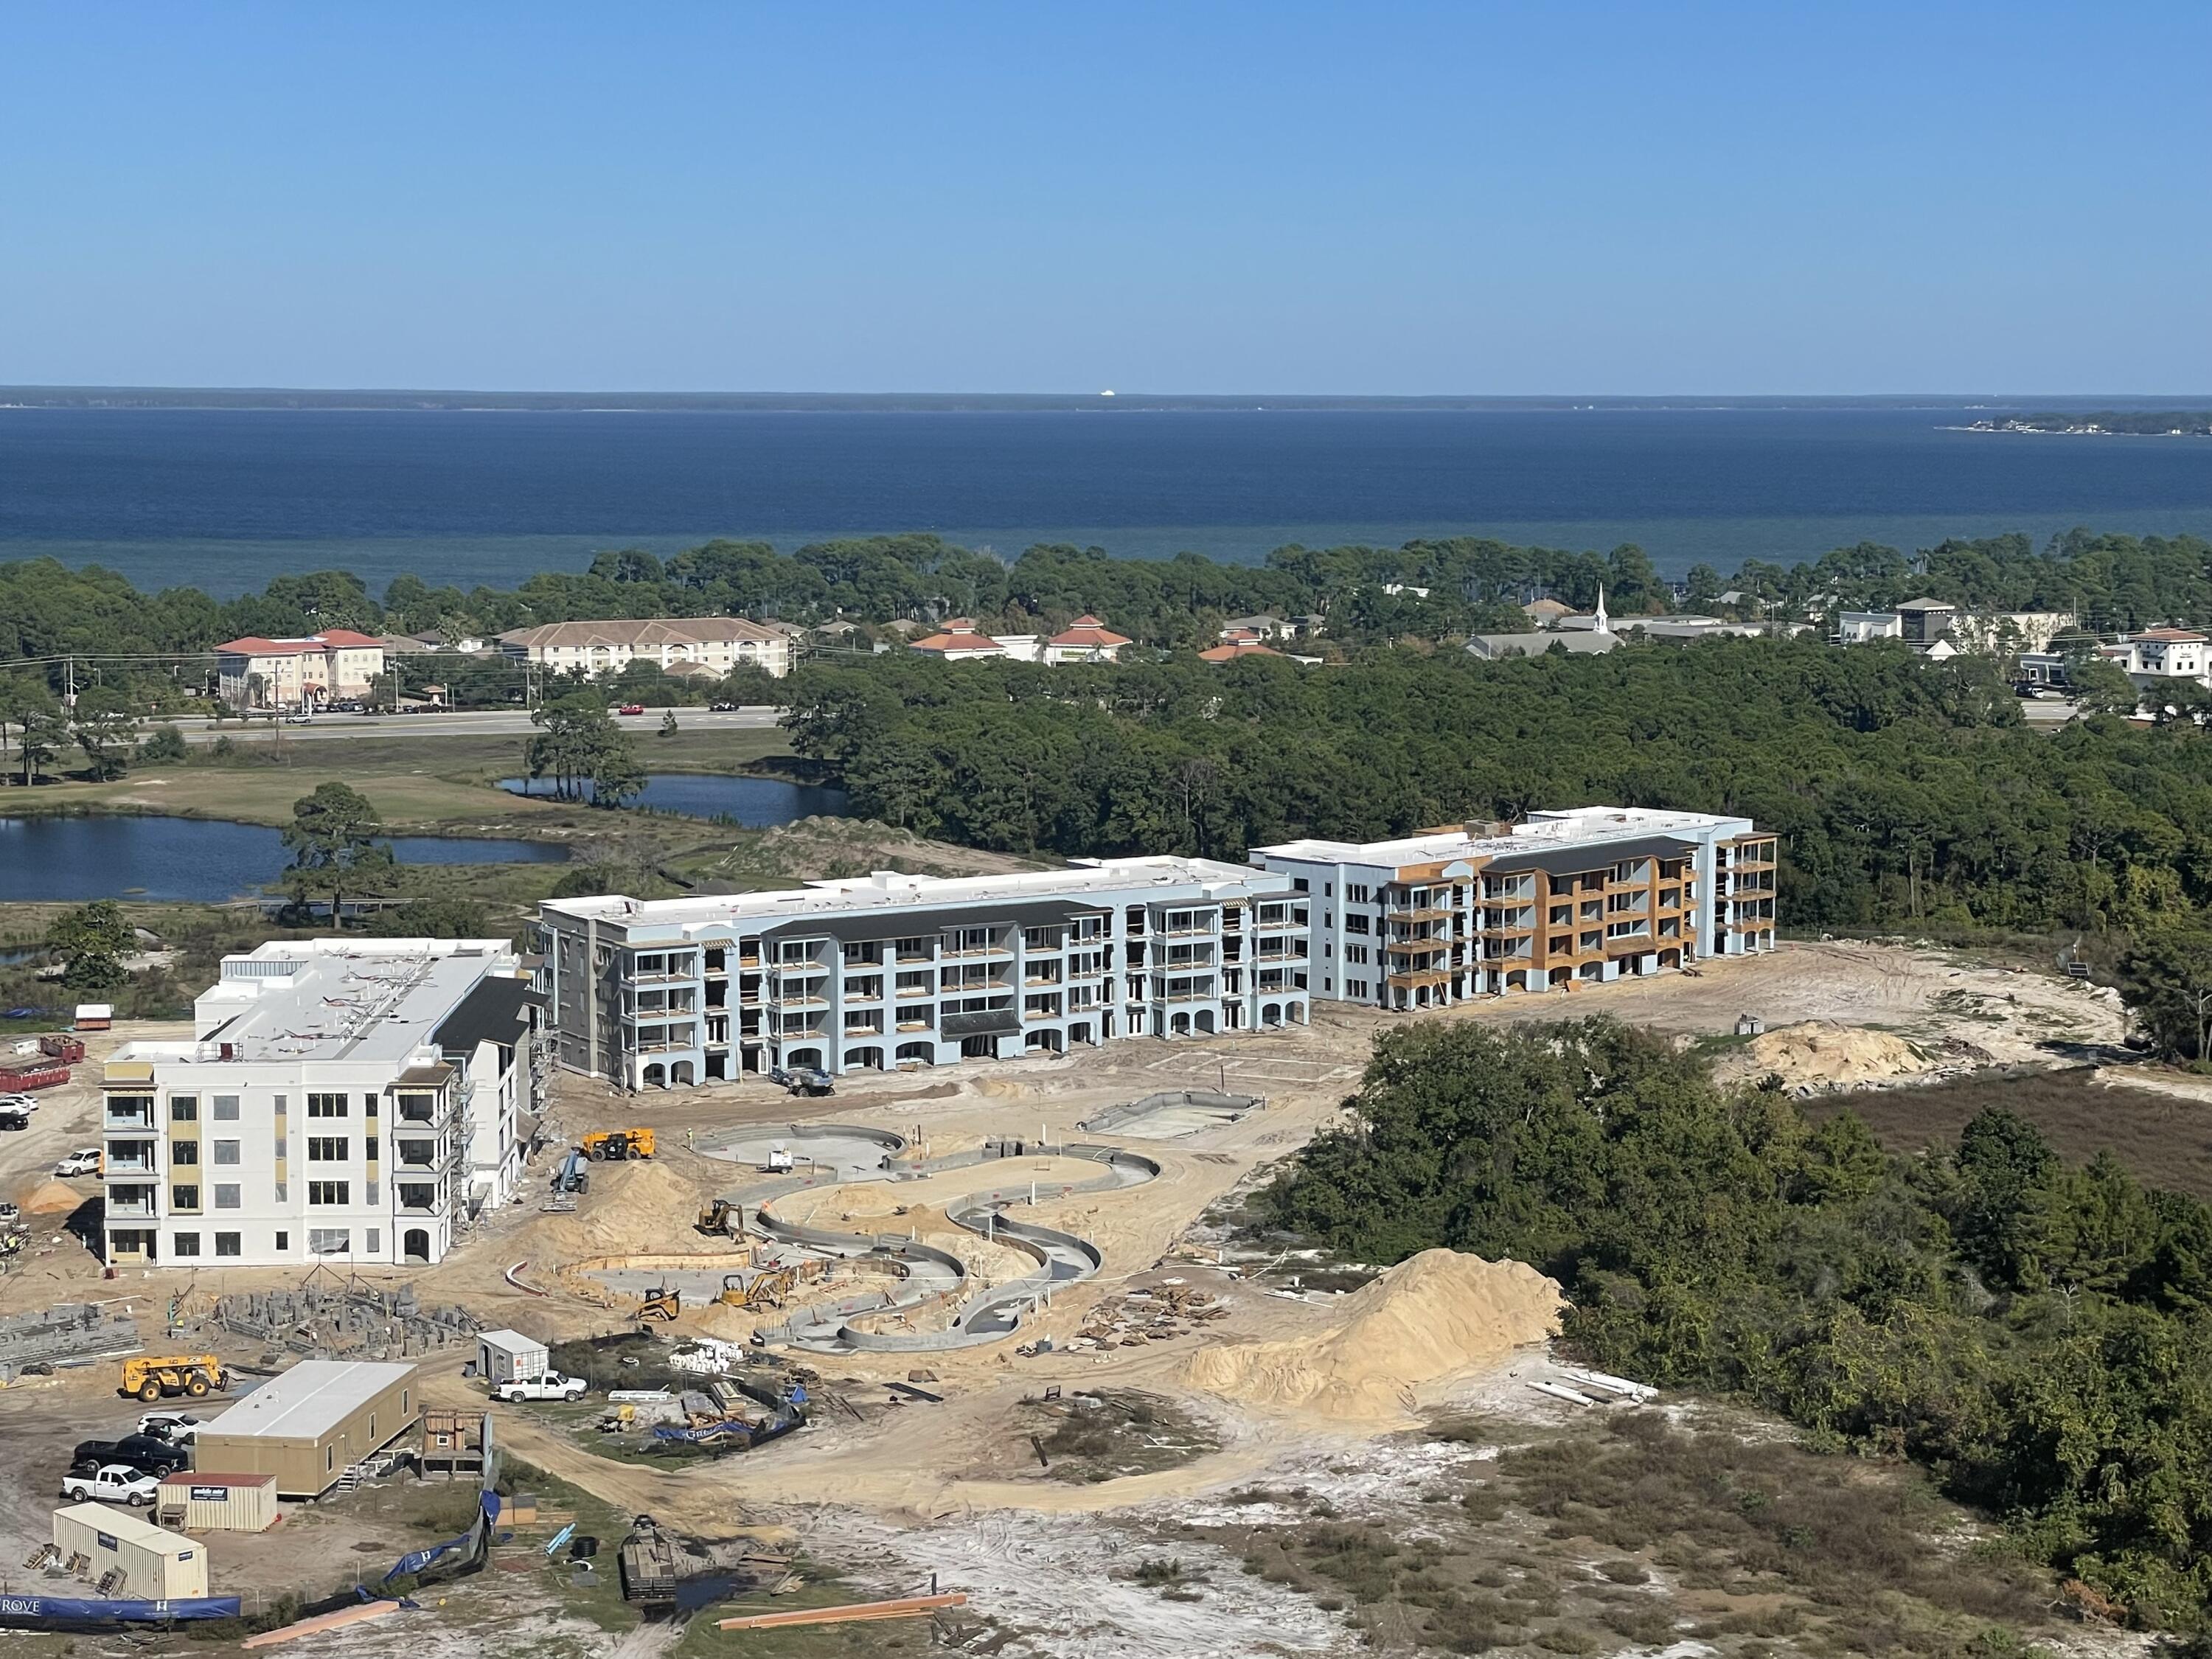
{"x": 1183, "y": 198}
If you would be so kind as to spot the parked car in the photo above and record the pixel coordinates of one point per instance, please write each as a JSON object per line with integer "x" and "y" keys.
{"x": 84, "y": 1161}
{"x": 28, "y": 1102}
{"x": 548, "y": 1385}
{"x": 117, "y": 1483}
{"x": 13, "y": 1117}
{"x": 146, "y": 1452}
{"x": 723, "y": 707}
{"x": 631, "y": 709}
{"x": 177, "y": 1428}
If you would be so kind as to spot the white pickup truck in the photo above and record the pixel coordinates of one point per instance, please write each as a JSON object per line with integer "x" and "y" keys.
{"x": 117, "y": 1483}
{"x": 549, "y": 1385}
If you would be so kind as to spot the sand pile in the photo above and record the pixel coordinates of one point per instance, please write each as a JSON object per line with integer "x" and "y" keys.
{"x": 52, "y": 1198}
{"x": 1428, "y": 1319}
{"x": 1818, "y": 1054}
{"x": 631, "y": 1207}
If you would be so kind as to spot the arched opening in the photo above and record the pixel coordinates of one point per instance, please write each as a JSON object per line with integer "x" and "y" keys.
{"x": 681, "y": 1075}
{"x": 1271, "y": 1014}
{"x": 919, "y": 1053}
{"x": 1042, "y": 1041}
{"x": 1080, "y": 1032}
{"x": 1297, "y": 1010}
{"x": 415, "y": 1246}
{"x": 1561, "y": 976}
{"x": 1205, "y": 1019}
{"x": 979, "y": 1048}
{"x": 654, "y": 1076}
{"x": 1179, "y": 1025}
{"x": 1517, "y": 980}
{"x": 1670, "y": 958}
{"x": 809, "y": 1058}
{"x": 1593, "y": 971}
{"x": 866, "y": 1059}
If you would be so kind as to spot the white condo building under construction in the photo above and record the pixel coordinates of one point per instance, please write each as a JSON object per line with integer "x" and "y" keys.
{"x": 888, "y": 969}
{"x": 1564, "y": 899}
{"x": 360, "y": 1100}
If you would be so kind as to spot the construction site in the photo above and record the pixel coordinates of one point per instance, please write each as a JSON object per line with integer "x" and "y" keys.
{"x": 979, "y": 1351}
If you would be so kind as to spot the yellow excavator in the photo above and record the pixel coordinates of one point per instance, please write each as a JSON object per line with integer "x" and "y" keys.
{"x": 762, "y": 1289}
{"x": 662, "y": 1302}
{"x": 149, "y": 1377}
{"x": 720, "y": 1219}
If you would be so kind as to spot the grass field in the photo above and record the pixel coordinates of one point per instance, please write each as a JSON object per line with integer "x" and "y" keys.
{"x": 420, "y": 784}
{"x": 2164, "y": 1140}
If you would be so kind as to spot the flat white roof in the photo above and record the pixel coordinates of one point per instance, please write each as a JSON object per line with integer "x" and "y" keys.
{"x": 888, "y": 888}
{"x": 1573, "y": 826}
{"x": 127, "y": 1528}
{"x": 308, "y": 1401}
{"x": 510, "y": 1341}
{"x": 372, "y": 1001}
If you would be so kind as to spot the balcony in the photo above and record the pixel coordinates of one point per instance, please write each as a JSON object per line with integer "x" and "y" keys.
{"x": 130, "y": 1204}
{"x": 133, "y": 1114}
{"x": 664, "y": 976}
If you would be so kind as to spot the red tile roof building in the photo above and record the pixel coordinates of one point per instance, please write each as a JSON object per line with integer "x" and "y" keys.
{"x": 297, "y": 673}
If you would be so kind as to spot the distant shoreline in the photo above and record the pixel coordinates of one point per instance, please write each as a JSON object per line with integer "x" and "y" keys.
{"x": 94, "y": 398}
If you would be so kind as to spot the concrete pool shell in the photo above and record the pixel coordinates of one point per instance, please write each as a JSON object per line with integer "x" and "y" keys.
{"x": 1172, "y": 1113}
{"x": 927, "y": 1280}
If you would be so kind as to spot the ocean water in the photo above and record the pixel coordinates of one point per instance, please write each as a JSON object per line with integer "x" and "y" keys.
{"x": 224, "y": 499}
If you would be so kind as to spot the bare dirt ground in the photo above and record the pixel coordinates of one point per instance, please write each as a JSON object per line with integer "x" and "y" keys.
{"x": 893, "y": 1494}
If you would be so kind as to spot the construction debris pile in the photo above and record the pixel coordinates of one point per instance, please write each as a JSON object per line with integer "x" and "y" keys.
{"x": 67, "y": 1331}
{"x": 1136, "y": 1317}
{"x": 353, "y": 1322}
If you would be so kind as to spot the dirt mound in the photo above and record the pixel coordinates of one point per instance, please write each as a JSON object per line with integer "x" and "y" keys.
{"x": 1431, "y": 1317}
{"x": 630, "y": 1207}
{"x": 52, "y": 1198}
{"x": 1819, "y": 1054}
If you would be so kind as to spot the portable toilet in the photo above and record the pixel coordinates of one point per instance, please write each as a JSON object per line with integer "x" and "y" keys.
{"x": 503, "y": 1356}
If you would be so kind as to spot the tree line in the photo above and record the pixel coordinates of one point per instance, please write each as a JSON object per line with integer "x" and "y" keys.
{"x": 2039, "y": 1335}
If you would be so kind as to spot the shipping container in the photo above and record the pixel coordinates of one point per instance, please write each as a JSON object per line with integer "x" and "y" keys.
{"x": 156, "y": 1566}
{"x": 501, "y": 1356}
{"x": 41, "y": 1073}
{"x": 201, "y": 1500}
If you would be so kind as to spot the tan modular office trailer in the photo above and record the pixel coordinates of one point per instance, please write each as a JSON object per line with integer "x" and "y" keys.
{"x": 307, "y": 1426}
{"x": 200, "y": 1500}
{"x": 157, "y": 1565}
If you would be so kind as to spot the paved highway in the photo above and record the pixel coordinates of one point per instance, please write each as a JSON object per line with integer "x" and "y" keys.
{"x": 486, "y": 723}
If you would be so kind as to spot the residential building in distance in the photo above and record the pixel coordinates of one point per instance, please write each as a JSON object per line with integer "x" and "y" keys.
{"x": 890, "y": 970}
{"x": 1230, "y": 650}
{"x": 1857, "y": 627}
{"x": 1567, "y": 898}
{"x": 1261, "y": 625}
{"x": 718, "y": 643}
{"x": 361, "y": 1099}
{"x": 2159, "y": 656}
{"x": 1085, "y": 640}
{"x": 334, "y": 665}
{"x": 960, "y": 641}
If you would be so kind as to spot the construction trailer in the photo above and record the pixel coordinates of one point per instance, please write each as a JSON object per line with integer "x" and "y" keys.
{"x": 503, "y": 1356}
{"x": 308, "y": 1426}
{"x": 204, "y": 1500}
{"x": 155, "y": 1566}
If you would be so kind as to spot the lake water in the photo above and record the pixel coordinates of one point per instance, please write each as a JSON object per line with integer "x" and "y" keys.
{"x": 224, "y": 499}
{"x": 204, "y": 860}
{"x": 756, "y": 803}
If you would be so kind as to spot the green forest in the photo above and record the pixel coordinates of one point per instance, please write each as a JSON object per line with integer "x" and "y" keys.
{"x": 1472, "y": 584}
{"x": 2038, "y": 1336}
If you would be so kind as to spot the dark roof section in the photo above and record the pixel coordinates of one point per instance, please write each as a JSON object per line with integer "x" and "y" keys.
{"x": 910, "y": 922}
{"x": 495, "y": 1011}
{"x": 1592, "y": 854}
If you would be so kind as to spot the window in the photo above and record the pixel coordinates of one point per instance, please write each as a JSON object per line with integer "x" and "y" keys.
{"x": 282, "y": 1144}
{"x": 280, "y": 1105}
{"x": 368, "y": 1105}
{"x": 328, "y": 1241}
{"x": 1298, "y": 884}
{"x": 226, "y": 1195}
{"x": 184, "y": 1109}
{"x": 368, "y": 1149}
{"x": 1328, "y": 889}
{"x": 229, "y": 1243}
{"x": 284, "y": 1241}
{"x": 375, "y": 1240}
{"x": 283, "y": 1192}
{"x": 330, "y": 1192}
{"x": 225, "y": 1108}
{"x": 326, "y": 1149}
{"x": 184, "y": 1152}
{"x": 326, "y": 1105}
{"x": 1355, "y": 892}
{"x": 185, "y": 1198}
{"x": 226, "y": 1151}
{"x": 1355, "y": 923}
{"x": 185, "y": 1244}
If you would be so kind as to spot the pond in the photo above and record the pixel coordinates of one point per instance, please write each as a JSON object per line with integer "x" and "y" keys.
{"x": 756, "y": 803}
{"x": 202, "y": 860}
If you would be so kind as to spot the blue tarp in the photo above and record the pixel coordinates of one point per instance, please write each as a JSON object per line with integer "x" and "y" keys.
{"x": 35, "y": 1610}
{"x": 416, "y": 1560}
